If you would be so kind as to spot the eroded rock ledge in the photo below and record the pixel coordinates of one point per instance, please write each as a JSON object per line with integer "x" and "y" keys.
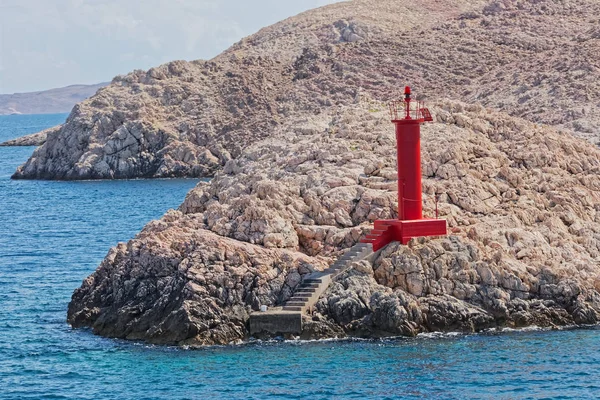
{"x": 522, "y": 203}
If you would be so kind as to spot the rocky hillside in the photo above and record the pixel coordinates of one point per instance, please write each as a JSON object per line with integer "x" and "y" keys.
{"x": 190, "y": 118}
{"x": 51, "y": 101}
{"x": 521, "y": 201}
{"x": 292, "y": 121}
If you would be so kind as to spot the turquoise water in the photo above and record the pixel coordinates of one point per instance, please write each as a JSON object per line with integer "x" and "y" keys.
{"x": 54, "y": 234}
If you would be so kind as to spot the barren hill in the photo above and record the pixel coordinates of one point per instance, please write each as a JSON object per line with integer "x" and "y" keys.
{"x": 189, "y": 118}
{"x": 51, "y": 101}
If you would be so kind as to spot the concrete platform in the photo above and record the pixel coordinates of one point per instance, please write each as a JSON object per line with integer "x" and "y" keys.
{"x": 276, "y": 321}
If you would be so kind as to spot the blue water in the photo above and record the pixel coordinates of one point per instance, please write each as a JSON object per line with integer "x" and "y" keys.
{"x": 54, "y": 234}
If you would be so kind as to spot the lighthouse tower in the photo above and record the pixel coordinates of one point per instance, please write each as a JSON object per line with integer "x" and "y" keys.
{"x": 407, "y": 115}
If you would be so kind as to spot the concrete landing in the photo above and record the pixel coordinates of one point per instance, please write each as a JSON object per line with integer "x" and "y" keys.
{"x": 288, "y": 319}
{"x": 276, "y": 321}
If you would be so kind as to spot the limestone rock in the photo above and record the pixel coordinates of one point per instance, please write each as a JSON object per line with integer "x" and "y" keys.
{"x": 191, "y": 118}
{"x": 522, "y": 249}
{"x": 293, "y": 124}
{"x": 185, "y": 286}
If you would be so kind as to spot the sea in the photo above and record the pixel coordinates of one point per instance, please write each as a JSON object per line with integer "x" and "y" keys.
{"x": 54, "y": 234}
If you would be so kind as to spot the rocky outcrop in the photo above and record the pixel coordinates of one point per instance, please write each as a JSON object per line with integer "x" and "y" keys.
{"x": 35, "y": 139}
{"x": 448, "y": 285}
{"x": 521, "y": 201}
{"x": 190, "y": 118}
{"x": 198, "y": 293}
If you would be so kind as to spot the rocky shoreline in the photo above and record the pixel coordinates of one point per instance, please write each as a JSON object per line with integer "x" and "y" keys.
{"x": 292, "y": 124}
{"x": 522, "y": 249}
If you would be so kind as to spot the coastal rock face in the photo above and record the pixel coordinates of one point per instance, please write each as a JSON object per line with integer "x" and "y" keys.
{"x": 521, "y": 201}
{"x": 190, "y": 118}
{"x": 176, "y": 284}
{"x": 450, "y": 285}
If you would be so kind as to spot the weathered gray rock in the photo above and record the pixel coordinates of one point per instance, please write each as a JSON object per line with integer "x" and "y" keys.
{"x": 190, "y": 118}
{"x": 454, "y": 291}
{"x": 185, "y": 286}
{"x": 521, "y": 201}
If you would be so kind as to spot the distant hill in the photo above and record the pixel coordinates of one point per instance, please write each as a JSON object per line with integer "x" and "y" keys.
{"x": 51, "y": 101}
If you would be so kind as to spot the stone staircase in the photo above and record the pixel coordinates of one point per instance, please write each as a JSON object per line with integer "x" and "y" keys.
{"x": 307, "y": 294}
{"x": 313, "y": 286}
{"x": 289, "y": 318}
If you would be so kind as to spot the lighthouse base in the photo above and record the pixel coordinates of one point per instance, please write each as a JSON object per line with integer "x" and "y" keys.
{"x": 393, "y": 230}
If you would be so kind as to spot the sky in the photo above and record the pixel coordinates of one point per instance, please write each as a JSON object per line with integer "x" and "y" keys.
{"x": 46, "y": 44}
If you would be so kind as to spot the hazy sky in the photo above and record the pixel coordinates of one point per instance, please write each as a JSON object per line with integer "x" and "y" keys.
{"x": 53, "y": 43}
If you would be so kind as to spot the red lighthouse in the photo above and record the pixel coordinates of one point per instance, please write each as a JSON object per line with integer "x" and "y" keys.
{"x": 407, "y": 115}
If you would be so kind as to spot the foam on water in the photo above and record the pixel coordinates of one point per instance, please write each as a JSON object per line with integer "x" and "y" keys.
{"x": 54, "y": 234}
